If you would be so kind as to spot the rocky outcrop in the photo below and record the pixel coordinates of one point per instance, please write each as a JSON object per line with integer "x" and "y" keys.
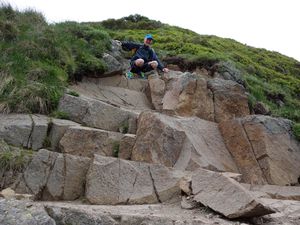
{"x": 264, "y": 149}
{"x": 182, "y": 143}
{"x": 225, "y": 195}
{"x": 23, "y": 213}
{"x": 22, "y": 130}
{"x": 54, "y": 176}
{"x": 98, "y": 114}
{"x": 230, "y": 99}
{"x": 188, "y": 94}
{"x": 85, "y": 141}
{"x": 116, "y": 181}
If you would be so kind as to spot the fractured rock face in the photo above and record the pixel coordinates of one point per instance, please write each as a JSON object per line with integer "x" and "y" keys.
{"x": 54, "y": 176}
{"x": 182, "y": 143}
{"x": 98, "y": 114}
{"x": 117, "y": 181}
{"x": 225, "y": 195}
{"x": 230, "y": 99}
{"x": 185, "y": 94}
{"x": 85, "y": 141}
{"x": 264, "y": 149}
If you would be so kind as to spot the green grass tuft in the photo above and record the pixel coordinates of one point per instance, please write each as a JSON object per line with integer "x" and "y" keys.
{"x": 14, "y": 160}
{"x": 296, "y": 130}
{"x": 73, "y": 93}
{"x": 60, "y": 115}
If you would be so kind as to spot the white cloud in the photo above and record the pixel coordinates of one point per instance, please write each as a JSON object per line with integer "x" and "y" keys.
{"x": 270, "y": 24}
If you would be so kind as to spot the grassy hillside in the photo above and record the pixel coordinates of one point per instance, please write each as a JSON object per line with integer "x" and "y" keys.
{"x": 39, "y": 59}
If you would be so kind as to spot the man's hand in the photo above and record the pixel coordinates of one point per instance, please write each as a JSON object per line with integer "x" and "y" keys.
{"x": 165, "y": 70}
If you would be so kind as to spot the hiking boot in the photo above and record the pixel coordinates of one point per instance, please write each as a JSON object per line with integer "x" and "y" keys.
{"x": 129, "y": 75}
{"x": 142, "y": 75}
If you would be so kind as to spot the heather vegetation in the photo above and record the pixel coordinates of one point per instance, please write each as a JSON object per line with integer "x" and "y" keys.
{"x": 38, "y": 59}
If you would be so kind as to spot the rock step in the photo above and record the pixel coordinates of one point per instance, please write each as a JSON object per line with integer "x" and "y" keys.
{"x": 38, "y": 131}
{"x": 103, "y": 180}
{"x": 86, "y": 141}
{"x": 121, "y": 81}
{"x": 98, "y": 114}
{"x": 112, "y": 181}
{"x": 116, "y": 96}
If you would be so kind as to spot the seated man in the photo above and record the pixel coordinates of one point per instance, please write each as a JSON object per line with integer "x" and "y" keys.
{"x": 144, "y": 59}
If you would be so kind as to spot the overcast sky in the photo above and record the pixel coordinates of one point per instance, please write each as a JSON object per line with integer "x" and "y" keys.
{"x": 269, "y": 24}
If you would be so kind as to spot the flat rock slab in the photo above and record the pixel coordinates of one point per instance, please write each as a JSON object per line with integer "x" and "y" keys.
{"x": 116, "y": 181}
{"x": 276, "y": 192}
{"x": 54, "y": 176}
{"x": 180, "y": 142}
{"x": 121, "y": 81}
{"x": 98, "y": 114}
{"x": 85, "y": 141}
{"x": 117, "y": 96}
{"x": 154, "y": 214}
{"x": 225, "y": 195}
{"x": 23, "y": 213}
{"x": 264, "y": 149}
{"x": 23, "y": 130}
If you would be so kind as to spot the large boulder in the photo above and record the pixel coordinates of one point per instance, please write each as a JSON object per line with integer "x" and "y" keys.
{"x": 181, "y": 142}
{"x": 23, "y": 213}
{"x": 98, "y": 114}
{"x": 85, "y": 141}
{"x": 264, "y": 149}
{"x": 117, "y": 181}
{"x": 225, "y": 195}
{"x": 24, "y": 130}
{"x": 54, "y": 176}
{"x": 230, "y": 99}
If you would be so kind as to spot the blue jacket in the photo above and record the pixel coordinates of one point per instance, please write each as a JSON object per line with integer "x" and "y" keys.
{"x": 142, "y": 52}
